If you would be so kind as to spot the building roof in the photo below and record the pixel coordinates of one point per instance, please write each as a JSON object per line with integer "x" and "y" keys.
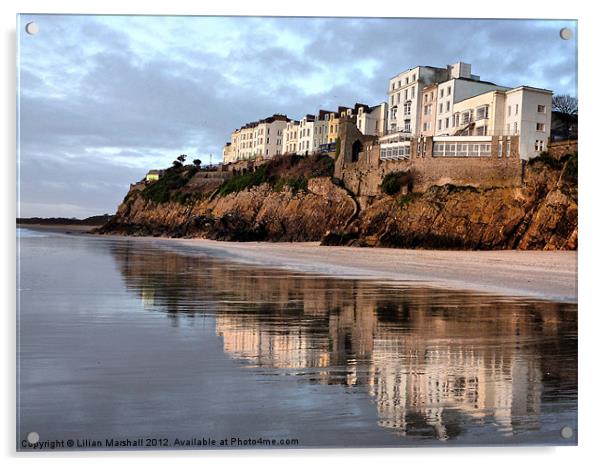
{"x": 529, "y": 88}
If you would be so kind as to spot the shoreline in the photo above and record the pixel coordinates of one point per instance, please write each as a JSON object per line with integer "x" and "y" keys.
{"x": 548, "y": 275}
{"x": 58, "y": 228}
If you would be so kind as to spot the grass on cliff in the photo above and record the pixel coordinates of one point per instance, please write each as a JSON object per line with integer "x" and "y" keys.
{"x": 167, "y": 187}
{"x": 293, "y": 171}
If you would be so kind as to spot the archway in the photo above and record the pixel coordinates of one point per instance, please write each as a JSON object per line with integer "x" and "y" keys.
{"x": 356, "y": 148}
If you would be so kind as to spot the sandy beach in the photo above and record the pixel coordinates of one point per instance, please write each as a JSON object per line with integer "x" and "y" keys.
{"x": 550, "y": 275}
{"x": 537, "y": 274}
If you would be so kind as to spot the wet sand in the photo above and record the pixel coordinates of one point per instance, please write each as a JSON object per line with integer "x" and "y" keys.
{"x": 539, "y": 274}
{"x": 550, "y": 275}
{"x": 58, "y": 228}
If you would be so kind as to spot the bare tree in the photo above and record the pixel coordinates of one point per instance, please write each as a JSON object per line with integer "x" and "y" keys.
{"x": 565, "y": 103}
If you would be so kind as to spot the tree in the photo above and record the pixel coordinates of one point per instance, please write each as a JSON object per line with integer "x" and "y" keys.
{"x": 177, "y": 164}
{"x": 565, "y": 103}
{"x": 182, "y": 158}
{"x": 197, "y": 163}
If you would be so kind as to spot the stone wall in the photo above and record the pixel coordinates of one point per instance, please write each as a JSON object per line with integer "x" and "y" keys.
{"x": 559, "y": 148}
{"x": 363, "y": 172}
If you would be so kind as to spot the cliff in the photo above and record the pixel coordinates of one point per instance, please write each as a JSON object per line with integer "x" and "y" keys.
{"x": 296, "y": 199}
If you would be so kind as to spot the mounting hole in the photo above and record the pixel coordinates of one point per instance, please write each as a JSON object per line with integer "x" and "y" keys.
{"x": 566, "y": 33}
{"x": 32, "y": 28}
{"x": 33, "y": 437}
{"x": 566, "y": 432}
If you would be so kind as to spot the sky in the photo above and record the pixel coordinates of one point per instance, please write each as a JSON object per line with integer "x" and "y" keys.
{"x": 103, "y": 99}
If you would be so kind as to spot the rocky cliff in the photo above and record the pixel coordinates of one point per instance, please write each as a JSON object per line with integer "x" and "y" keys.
{"x": 299, "y": 201}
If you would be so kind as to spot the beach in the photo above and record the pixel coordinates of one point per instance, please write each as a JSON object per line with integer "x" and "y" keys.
{"x": 548, "y": 275}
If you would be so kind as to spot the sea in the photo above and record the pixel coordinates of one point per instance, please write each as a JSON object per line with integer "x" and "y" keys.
{"x": 132, "y": 343}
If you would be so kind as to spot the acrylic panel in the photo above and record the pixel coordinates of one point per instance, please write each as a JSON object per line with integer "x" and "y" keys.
{"x": 282, "y": 232}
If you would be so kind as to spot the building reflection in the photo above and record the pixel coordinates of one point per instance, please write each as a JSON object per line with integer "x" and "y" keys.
{"x": 434, "y": 361}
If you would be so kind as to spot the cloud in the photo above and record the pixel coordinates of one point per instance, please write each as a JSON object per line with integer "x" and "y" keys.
{"x": 105, "y": 98}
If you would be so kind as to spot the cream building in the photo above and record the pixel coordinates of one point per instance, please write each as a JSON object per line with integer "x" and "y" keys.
{"x": 263, "y": 138}
{"x": 291, "y": 137}
{"x": 429, "y": 110}
{"x": 268, "y": 136}
{"x": 228, "y": 153}
{"x": 523, "y": 111}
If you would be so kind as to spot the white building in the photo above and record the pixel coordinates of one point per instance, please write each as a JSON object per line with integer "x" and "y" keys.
{"x": 371, "y": 120}
{"x": 405, "y": 97}
{"x": 529, "y": 114}
{"x": 321, "y": 129}
{"x": 306, "y": 135}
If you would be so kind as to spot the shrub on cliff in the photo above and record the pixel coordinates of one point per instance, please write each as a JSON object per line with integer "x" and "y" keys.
{"x": 570, "y": 169}
{"x": 394, "y": 181}
{"x": 244, "y": 181}
{"x": 285, "y": 170}
{"x": 163, "y": 189}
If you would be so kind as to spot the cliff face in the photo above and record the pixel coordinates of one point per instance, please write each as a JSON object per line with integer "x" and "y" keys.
{"x": 542, "y": 214}
{"x": 259, "y": 213}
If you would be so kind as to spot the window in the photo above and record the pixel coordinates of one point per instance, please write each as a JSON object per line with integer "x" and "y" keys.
{"x": 449, "y": 90}
{"x": 448, "y": 106}
{"x": 439, "y": 124}
{"x": 481, "y": 131}
{"x": 413, "y": 92}
{"x": 406, "y": 94}
{"x": 407, "y": 107}
{"x": 441, "y": 93}
{"x": 446, "y": 123}
{"x": 516, "y": 109}
{"x": 407, "y": 79}
{"x": 438, "y": 149}
{"x": 457, "y": 120}
{"x": 508, "y": 148}
{"x": 540, "y": 127}
{"x": 515, "y": 127}
{"x": 509, "y": 110}
{"x": 441, "y": 108}
{"x": 466, "y": 117}
{"x": 541, "y": 109}
{"x": 414, "y": 77}
{"x": 407, "y": 126}
{"x": 483, "y": 112}
{"x": 538, "y": 145}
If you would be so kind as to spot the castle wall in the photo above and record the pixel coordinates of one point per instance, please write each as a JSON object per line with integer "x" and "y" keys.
{"x": 363, "y": 173}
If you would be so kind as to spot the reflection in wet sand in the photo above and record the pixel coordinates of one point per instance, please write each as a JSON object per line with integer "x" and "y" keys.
{"x": 436, "y": 363}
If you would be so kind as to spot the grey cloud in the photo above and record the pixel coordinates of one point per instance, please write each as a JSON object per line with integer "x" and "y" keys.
{"x": 85, "y": 88}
